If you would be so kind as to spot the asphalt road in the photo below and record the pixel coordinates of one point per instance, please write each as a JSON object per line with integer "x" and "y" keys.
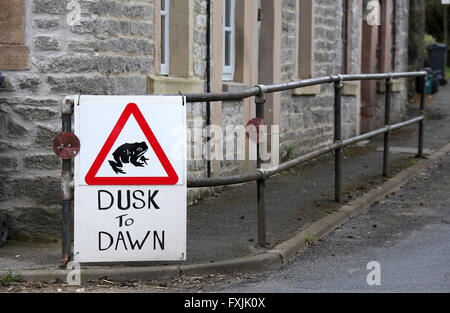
{"x": 408, "y": 234}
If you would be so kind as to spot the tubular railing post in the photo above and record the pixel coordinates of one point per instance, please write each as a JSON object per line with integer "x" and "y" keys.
{"x": 260, "y": 99}
{"x": 208, "y": 85}
{"x": 66, "y": 178}
{"x": 337, "y": 138}
{"x": 387, "y": 122}
{"x": 421, "y": 123}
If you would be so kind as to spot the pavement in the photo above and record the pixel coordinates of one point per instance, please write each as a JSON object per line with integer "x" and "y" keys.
{"x": 222, "y": 230}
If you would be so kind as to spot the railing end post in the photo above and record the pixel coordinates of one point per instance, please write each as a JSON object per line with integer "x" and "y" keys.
{"x": 260, "y": 99}
{"x": 67, "y": 109}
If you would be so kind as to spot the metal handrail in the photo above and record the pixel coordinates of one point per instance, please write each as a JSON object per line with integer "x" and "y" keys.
{"x": 260, "y": 175}
{"x": 254, "y": 91}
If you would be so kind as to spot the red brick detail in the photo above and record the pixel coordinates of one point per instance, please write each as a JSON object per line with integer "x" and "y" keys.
{"x": 12, "y": 13}
{"x": 14, "y": 57}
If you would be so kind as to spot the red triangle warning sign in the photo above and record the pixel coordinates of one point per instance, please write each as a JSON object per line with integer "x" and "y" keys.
{"x": 170, "y": 179}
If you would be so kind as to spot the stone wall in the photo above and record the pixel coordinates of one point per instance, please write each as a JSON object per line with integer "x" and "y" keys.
{"x": 400, "y": 91}
{"x": 110, "y": 52}
{"x": 232, "y": 115}
{"x": 307, "y": 120}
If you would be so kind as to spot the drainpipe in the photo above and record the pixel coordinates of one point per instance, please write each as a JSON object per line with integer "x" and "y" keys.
{"x": 208, "y": 80}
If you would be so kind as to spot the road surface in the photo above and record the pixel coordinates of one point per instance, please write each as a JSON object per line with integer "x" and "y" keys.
{"x": 407, "y": 233}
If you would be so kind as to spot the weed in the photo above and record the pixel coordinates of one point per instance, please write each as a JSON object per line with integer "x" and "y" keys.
{"x": 10, "y": 279}
{"x": 289, "y": 152}
{"x": 413, "y": 161}
{"x": 310, "y": 239}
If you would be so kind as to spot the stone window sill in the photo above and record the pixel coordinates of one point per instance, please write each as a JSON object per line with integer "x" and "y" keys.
{"x": 164, "y": 85}
{"x": 306, "y": 91}
{"x": 350, "y": 88}
{"x": 229, "y": 86}
{"x": 397, "y": 86}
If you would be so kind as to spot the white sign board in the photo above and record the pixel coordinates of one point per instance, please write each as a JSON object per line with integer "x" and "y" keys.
{"x": 130, "y": 179}
{"x": 445, "y": 1}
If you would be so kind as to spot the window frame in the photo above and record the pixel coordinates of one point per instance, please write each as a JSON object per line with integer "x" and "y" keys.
{"x": 228, "y": 70}
{"x": 304, "y": 50}
{"x": 165, "y": 37}
{"x": 305, "y": 39}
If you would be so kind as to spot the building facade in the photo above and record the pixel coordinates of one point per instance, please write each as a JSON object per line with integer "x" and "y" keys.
{"x": 53, "y": 48}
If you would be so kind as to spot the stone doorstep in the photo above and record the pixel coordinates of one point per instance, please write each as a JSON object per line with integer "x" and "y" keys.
{"x": 405, "y": 150}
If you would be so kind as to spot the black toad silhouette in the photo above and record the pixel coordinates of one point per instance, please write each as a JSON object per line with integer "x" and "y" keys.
{"x": 129, "y": 153}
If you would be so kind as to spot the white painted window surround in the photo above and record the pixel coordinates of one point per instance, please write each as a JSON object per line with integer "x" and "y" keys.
{"x": 165, "y": 33}
{"x": 228, "y": 40}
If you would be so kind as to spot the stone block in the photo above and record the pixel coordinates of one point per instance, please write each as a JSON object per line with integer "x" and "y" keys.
{"x": 50, "y": 6}
{"x": 35, "y": 114}
{"x": 46, "y": 23}
{"x": 14, "y": 129}
{"x": 8, "y": 163}
{"x": 27, "y": 82}
{"x": 34, "y": 223}
{"x": 96, "y": 85}
{"x": 46, "y": 43}
{"x": 45, "y": 190}
{"x": 44, "y": 136}
{"x": 42, "y": 161}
